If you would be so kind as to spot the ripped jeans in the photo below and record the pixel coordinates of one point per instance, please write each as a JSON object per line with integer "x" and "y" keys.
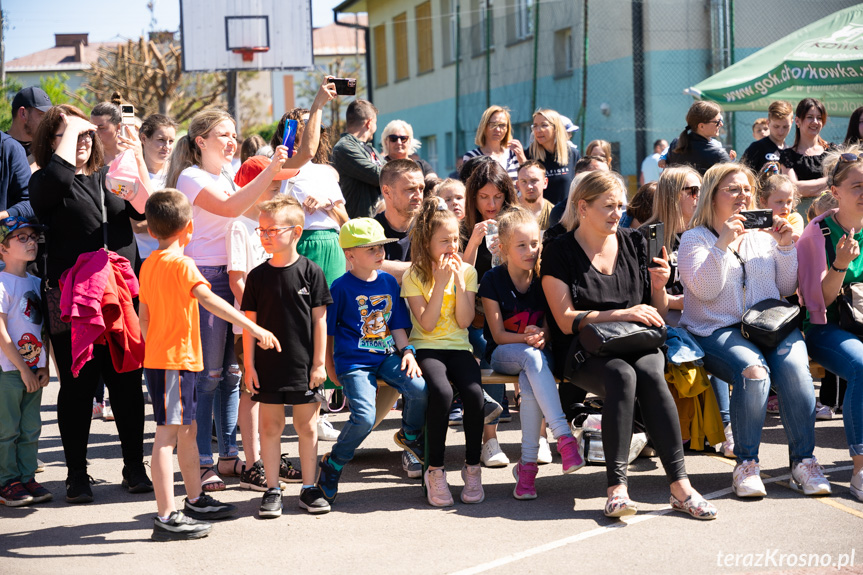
{"x": 728, "y": 354}
{"x": 218, "y": 386}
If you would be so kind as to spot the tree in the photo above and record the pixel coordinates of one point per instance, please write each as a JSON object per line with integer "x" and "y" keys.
{"x": 7, "y": 92}
{"x": 149, "y": 74}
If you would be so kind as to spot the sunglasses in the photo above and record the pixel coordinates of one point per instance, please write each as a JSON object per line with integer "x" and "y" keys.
{"x": 692, "y": 190}
{"x": 718, "y": 122}
{"x": 393, "y": 138}
{"x": 846, "y": 158}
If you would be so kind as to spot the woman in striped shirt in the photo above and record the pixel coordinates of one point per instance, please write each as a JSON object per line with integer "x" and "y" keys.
{"x": 494, "y": 139}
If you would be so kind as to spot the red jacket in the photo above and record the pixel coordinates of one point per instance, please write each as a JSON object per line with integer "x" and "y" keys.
{"x": 97, "y": 298}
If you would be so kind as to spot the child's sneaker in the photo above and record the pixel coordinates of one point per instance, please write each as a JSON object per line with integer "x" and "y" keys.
{"x": 254, "y": 477}
{"x": 823, "y": 412}
{"x": 747, "y": 480}
{"x": 491, "y": 409}
{"x": 98, "y": 409}
{"x": 456, "y": 413}
{"x": 572, "y": 460}
{"x": 505, "y": 416}
{"x": 773, "y": 404}
{"x": 208, "y": 508}
{"x": 857, "y": 485}
{"x": 727, "y": 446}
{"x": 437, "y": 489}
{"x": 411, "y": 465}
{"x": 544, "y": 455}
{"x": 178, "y": 527}
{"x": 38, "y": 492}
{"x": 472, "y": 492}
{"x": 808, "y": 477}
{"x": 271, "y": 504}
{"x": 40, "y": 466}
{"x": 13, "y": 494}
{"x": 492, "y": 456}
{"x": 107, "y": 412}
{"x": 287, "y": 472}
{"x": 312, "y": 500}
{"x": 328, "y": 480}
{"x": 415, "y": 445}
{"x": 326, "y": 431}
{"x": 525, "y": 480}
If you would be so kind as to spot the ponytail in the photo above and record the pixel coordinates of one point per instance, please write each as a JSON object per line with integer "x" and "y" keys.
{"x": 183, "y": 156}
{"x": 700, "y": 112}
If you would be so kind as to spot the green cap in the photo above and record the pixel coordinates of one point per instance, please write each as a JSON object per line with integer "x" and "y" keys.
{"x": 360, "y": 232}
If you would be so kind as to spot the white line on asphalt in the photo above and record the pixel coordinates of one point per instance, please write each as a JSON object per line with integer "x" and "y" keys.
{"x": 602, "y": 530}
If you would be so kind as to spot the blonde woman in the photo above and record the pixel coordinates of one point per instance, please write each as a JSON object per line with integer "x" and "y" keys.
{"x": 551, "y": 147}
{"x": 398, "y": 143}
{"x": 599, "y": 149}
{"x": 494, "y": 139}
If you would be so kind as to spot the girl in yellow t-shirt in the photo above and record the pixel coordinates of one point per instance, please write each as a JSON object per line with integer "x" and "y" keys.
{"x": 778, "y": 193}
{"x": 440, "y": 290}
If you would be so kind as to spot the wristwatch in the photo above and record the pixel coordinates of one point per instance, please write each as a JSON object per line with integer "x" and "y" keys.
{"x": 408, "y": 349}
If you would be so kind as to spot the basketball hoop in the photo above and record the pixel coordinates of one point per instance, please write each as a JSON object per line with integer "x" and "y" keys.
{"x": 249, "y": 52}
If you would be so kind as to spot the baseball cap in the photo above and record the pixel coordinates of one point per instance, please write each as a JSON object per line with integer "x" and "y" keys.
{"x": 32, "y": 97}
{"x": 13, "y": 223}
{"x": 363, "y": 232}
{"x": 568, "y": 125}
{"x": 257, "y": 164}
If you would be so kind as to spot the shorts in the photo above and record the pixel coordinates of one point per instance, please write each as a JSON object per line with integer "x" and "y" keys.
{"x": 290, "y": 397}
{"x": 174, "y": 397}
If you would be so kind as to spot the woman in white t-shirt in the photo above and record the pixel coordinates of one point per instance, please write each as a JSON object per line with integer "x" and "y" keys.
{"x": 197, "y": 169}
{"x": 157, "y": 133}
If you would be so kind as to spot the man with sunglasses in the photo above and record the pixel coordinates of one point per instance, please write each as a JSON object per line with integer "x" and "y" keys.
{"x": 356, "y": 161}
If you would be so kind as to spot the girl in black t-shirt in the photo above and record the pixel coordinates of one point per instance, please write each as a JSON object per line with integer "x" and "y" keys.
{"x": 599, "y": 273}
{"x": 515, "y": 331}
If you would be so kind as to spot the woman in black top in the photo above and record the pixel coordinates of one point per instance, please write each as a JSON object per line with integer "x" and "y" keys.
{"x": 802, "y": 161}
{"x": 598, "y": 273}
{"x": 551, "y": 147}
{"x": 67, "y": 194}
{"x": 697, "y": 145}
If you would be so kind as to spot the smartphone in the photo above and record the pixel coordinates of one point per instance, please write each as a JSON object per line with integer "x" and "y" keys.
{"x": 655, "y": 237}
{"x": 757, "y": 219}
{"x": 345, "y": 86}
{"x": 127, "y": 111}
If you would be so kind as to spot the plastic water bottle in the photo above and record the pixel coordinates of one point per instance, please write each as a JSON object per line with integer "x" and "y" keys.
{"x": 491, "y": 238}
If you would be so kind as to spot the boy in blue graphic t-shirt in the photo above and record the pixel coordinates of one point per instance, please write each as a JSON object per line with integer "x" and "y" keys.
{"x": 366, "y": 340}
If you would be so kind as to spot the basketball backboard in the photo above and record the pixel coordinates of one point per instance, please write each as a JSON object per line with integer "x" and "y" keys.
{"x": 246, "y": 35}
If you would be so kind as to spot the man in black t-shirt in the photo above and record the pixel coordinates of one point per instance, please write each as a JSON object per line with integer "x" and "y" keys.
{"x": 780, "y": 116}
{"x": 402, "y": 187}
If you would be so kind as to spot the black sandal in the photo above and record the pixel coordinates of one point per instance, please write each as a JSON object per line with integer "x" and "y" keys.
{"x": 236, "y": 468}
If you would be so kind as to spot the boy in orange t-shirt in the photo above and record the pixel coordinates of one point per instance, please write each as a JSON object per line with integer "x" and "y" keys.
{"x": 171, "y": 289}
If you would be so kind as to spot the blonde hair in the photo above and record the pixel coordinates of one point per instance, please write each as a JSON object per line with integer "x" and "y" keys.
{"x": 433, "y": 214}
{"x": 602, "y": 145}
{"x": 284, "y": 208}
{"x": 479, "y": 140}
{"x": 449, "y": 184}
{"x": 832, "y": 158}
{"x": 772, "y": 183}
{"x": 590, "y": 187}
{"x": 704, "y": 214}
{"x": 506, "y": 225}
{"x": 569, "y": 214}
{"x": 826, "y": 201}
{"x": 666, "y": 202}
{"x": 186, "y": 151}
{"x": 779, "y": 109}
{"x": 561, "y": 138}
{"x": 413, "y": 145}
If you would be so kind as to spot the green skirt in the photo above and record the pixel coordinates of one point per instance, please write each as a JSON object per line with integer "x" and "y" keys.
{"x": 322, "y": 247}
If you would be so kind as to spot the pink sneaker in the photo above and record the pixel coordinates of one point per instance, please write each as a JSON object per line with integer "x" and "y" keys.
{"x": 567, "y": 446}
{"x": 437, "y": 488}
{"x": 525, "y": 476}
{"x": 472, "y": 492}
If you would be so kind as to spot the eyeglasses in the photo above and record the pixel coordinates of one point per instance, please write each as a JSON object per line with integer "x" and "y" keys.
{"x": 393, "y": 138}
{"x": 691, "y": 190}
{"x": 82, "y": 136}
{"x": 845, "y": 158}
{"x": 736, "y": 190}
{"x": 543, "y": 126}
{"x": 718, "y": 122}
{"x": 271, "y": 232}
{"x": 24, "y": 238}
{"x": 497, "y": 126}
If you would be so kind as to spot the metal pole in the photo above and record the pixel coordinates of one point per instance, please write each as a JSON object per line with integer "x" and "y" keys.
{"x": 2, "y": 47}
{"x": 638, "y": 81}
{"x": 731, "y": 60}
{"x": 535, "y": 52}
{"x": 457, "y": 76}
{"x": 488, "y": 53}
{"x": 582, "y": 113}
{"x": 234, "y": 99}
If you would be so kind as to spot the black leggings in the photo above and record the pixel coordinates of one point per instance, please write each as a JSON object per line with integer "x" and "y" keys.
{"x": 439, "y": 368}
{"x": 75, "y": 404}
{"x": 621, "y": 381}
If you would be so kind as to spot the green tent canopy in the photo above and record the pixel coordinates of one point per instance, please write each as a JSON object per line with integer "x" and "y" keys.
{"x": 823, "y": 60}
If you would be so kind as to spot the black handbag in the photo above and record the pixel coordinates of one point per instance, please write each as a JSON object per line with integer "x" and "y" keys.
{"x": 849, "y": 302}
{"x": 770, "y": 321}
{"x": 616, "y": 338}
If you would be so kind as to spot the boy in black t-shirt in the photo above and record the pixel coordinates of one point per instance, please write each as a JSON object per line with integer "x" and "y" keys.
{"x": 288, "y": 294}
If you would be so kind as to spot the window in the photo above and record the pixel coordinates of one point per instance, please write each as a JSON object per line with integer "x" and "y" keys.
{"x": 449, "y": 30}
{"x": 520, "y": 20}
{"x": 482, "y": 10}
{"x": 425, "y": 43}
{"x": 400, "y": 34}
{"x": 381, "y": 72}
{"x": 564, "y": 58}
{"x": 429, "y": 149}
{"x": 450, "y": 153}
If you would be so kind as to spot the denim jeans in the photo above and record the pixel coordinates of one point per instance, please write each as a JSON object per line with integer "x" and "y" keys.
{"x": 496, "y": 391}
{"x": 842, "y": 353}
{"x": 218, "y": 386}
{"x": 20, "y": 426}
{"x": 723, "y": 398}
{"x": 360, "y": 387}
{"x": 538, "y": 390}
{"x": 728, "y": 354}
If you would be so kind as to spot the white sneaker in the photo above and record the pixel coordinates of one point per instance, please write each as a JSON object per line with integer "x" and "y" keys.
{"x": 492, "y": 456}
{"x": 728, "y": 445}
{"x": 823, "y": 412}
{"x": 326, "y": 431}
{"x": 98, "y": 410}
{"x": 857, "y": 485}
{"x": 544, "y": 455}
{"x": 747, "y": 480}
{"x": 107, "y": 412}
{"x": 808, "y": 477}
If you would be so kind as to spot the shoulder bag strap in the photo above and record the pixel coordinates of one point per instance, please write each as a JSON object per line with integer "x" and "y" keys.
{"x": 828, "y": 243}
{"x": 104, "y": 220}
{"x": 742, "y": 267}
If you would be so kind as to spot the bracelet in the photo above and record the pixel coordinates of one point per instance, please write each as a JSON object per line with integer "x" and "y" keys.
{"x": 840, "y": 270}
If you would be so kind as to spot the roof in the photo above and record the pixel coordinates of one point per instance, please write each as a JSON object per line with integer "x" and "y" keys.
{"x": 351, "y": 6}
{"x": 333, "y": 39}
{"x": 58, "y": 58}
